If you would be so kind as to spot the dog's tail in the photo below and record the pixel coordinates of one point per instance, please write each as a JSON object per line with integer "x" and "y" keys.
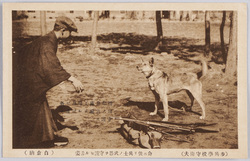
{"x": 204, "y": 68}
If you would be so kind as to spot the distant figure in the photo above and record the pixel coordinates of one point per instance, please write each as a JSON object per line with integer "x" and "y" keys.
{"x": 37, "y": 70}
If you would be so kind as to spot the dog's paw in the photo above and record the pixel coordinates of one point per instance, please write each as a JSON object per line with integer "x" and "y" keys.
{"x": 165, "y": 119}
{"x": 188, "y": 108}
{"x": 202, "y": 117}
{"x": 152, "y": 113}
{"x": 183, "y": 109}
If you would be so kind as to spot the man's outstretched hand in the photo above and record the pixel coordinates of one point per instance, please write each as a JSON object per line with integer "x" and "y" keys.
{"x": 77, "y": 84}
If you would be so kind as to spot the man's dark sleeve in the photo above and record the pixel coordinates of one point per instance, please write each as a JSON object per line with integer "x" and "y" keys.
{"x": 51, "y": 66}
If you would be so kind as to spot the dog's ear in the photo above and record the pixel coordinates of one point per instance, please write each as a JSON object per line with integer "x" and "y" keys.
{"x": 151, "y": 61}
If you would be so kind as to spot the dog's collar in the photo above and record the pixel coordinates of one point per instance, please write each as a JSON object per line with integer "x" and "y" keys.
{"x": 150, "y": 74}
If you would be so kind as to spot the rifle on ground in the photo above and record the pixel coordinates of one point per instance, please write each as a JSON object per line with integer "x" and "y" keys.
{"x": 190, "y": 128}
{"x": 149, "y": 126}
{"x": 151, "y": 123}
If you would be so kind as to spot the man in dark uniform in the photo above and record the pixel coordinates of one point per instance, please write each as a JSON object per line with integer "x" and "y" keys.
{"x": 38, "y": 70}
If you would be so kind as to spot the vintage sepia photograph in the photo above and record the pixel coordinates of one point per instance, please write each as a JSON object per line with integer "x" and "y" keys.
{"x": 143, "y": 80}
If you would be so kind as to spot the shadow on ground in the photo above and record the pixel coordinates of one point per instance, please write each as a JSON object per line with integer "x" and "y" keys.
{"x": 124, "y": 43}
{"x": 150, "y": 106}
{"x": 58, "y": 118}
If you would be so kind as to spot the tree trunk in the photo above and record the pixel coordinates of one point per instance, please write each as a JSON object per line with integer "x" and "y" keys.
{"x": 222, "y": 37}
{"x": 94, "y": 31}
{"x": 231, "y": 65}
{"x": 181, "y": 15}
{"x": 207, "y": 34}
{"x": 190, "y": 13}
{"x": 43, "y": 22}
{"x": 177, "y": 15}
{"x": 159, "y": 30}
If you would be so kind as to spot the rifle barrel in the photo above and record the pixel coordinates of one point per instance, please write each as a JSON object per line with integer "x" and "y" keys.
{"x": 145, "y": 123}
{"x": 175, "y": 127}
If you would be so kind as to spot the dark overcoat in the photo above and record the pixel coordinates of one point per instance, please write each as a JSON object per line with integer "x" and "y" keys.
{"x": 36, "y": 70}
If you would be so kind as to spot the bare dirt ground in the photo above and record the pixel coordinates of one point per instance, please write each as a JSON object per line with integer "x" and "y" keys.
{"x": 114, "y": 87}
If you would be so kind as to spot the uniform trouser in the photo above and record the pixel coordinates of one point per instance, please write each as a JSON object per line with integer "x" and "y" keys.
{"x": 33, "y": 124}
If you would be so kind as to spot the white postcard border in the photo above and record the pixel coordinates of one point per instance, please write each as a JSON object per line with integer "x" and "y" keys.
{"x": 159, "y": 153}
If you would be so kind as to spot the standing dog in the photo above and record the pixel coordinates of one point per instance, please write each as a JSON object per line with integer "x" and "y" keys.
{"x": 162, "y": 84}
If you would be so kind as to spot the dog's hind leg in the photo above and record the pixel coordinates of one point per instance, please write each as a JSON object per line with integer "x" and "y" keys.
{"x": 192, "y": 100}
{"x": 196, "y": 92}
{"x": 199, "y": 99}
{"x": 157, "y": 103}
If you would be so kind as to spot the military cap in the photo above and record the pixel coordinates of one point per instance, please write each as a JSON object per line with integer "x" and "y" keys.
{"x": 65, "y": 22}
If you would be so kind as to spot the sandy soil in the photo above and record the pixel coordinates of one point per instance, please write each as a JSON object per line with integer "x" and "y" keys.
{"x": 114, "y": 87}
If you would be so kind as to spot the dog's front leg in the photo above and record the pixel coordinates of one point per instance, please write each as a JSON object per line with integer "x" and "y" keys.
{"x": 157, "y": 103}
{"x": 164, "y": 99}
